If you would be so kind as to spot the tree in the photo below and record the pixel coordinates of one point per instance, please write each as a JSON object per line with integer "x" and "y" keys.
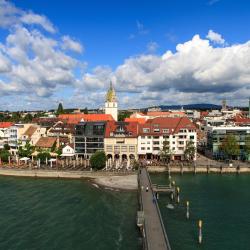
{"x": 85, "y": 111}
{"x": 124, "y": 114}
{"x": 43, "y": 155}
{"x": 25, "y": 151}
{"x": 190, "y": 150}
{"x": 4, "y": 155}
{"x": 247, "y": 146}
{"x": 229, "y": 147}
{"x": 98, "y": 160}
{"x": 28, "y": 118}
{"x": 165, "y": 153}
{"x": 60, "y": 109}
{"x": 6, "y": 147}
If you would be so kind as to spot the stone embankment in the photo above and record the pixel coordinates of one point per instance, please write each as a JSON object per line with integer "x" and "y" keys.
{"x": 117, "y": 180}
{"x": 199, "y": 169}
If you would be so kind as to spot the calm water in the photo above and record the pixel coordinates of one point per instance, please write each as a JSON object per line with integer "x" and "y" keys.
{"x": 221, "y": 201}
{"x": 65, "y": 214}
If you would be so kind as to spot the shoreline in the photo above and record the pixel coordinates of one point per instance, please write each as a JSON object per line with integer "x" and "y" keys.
{"x": 200, "y": 170}
{"x": 112, "y": 180}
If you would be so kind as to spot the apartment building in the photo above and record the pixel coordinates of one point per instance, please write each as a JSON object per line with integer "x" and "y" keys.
{"x": 172, "y": 131}
{"x": 216, "y": 135}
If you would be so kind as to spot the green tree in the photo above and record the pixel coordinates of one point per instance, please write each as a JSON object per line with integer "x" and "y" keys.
{"x": 43, "y": 155}
{"x": 4, "y": 155}
{"x": 26, "y": 150}
{"x": 85, "y": 111}
{"x": 60, "y": 109}
{"x": 165, "y": 153}
{"x": 229, "y": 147}
{"x": 28, "y": 118}
{"x": 189, "y": 151}
{"x": 98, "y": 160}
{"x": 247, "y": 146}
{"x": 124, "y": 114}
{"x": 6, "y": 147}
{"x": 16, "y": 117}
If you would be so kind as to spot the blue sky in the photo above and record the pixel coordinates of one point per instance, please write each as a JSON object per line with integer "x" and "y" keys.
{"x": 127, "y": 42}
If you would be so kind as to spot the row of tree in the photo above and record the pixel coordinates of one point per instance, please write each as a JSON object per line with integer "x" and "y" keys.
{"x": 230, "y": 147}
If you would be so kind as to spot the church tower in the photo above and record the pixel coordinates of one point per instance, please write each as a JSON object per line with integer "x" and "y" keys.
{"x": 111, "y": 103}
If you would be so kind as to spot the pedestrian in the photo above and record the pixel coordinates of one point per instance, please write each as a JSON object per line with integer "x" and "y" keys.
{"x": 154, "y": 199}
{"x": 147, "y": 189}
{"x": 142, "y": 188}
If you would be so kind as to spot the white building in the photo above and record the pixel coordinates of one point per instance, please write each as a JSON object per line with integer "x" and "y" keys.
{"x": 111, "y": 106}
{"x": 173, "y": 132}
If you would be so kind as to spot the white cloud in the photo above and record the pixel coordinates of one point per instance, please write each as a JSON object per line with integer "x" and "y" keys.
{"x": 31, "y": 18}
{"x": 70, "y": 44}
{"x": 215, "y": 37}
{"x": 195, "y": 72}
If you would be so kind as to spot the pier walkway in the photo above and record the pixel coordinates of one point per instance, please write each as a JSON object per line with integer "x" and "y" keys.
{"x": 155, "y": 237}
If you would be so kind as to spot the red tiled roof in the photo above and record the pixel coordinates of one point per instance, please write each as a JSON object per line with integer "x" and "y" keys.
{"x": 76, "y": 118}
{"x": 135, "y": 114}
{"x": 173, "y": 124}
{"x": 139, "y": 120}
{"x": 46, "y": 142}
{"x": 242, "y": 120}
{"x": 130, "y": 128}
{"x": 6, "y": 124}
{"x": 165, "y": 113}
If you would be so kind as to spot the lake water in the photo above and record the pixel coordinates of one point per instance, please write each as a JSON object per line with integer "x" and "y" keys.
{"x": 65, "y": 214}
{"x": 221, "y": 201}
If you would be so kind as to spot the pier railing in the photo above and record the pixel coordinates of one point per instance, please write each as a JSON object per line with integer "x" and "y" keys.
{"x": 144, "y": 232}
{"x": 159, "y": 214}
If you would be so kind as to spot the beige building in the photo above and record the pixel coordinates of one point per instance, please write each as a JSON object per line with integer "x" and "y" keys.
{"x": 120, "y": 143}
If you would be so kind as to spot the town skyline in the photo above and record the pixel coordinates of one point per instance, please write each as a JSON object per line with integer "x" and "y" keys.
{"x": 70, "y": 54}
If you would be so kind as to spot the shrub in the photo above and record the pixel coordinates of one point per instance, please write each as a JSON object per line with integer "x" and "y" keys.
{"x": 98, "y": 160}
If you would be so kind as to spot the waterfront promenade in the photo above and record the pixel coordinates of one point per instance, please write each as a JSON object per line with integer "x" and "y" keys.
{"x": 155, "y": 235}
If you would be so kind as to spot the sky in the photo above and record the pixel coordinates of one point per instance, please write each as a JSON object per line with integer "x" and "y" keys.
{"x": 154, "y": 52}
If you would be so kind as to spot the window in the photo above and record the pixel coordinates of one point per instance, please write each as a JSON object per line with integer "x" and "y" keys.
{"x": 142, "y": 148}
{"x": 148, "y": 142}
{"x": 117, "y": 148}
{"x": 124, "y": 148}
{"x": 131, "y": 148}
{"x": 149, "y": 137}
{"x": 148, "y": 148}
{"x": 146, "y": 130}
{"x": 181, "y": 142}
{"x": 156, "y": 137}
{"x": 173, "y": 142}
{"x": 143, "y": 137}
{"x": 156, "y": 148}
{"x": 156, "y": 143}
{"x": 165, "y": 130}
{"x": 156, "y": 130}
{"x": 165, "y": 136}
{"x": 173, "y": 148}
{"x": 191, "y": 137}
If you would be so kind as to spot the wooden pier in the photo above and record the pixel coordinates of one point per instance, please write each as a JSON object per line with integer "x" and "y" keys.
{"x": 149, "y": 217}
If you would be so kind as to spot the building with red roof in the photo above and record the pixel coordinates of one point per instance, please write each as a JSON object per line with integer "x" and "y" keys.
{"x": 121, "y": 143}
{"x": 171, "y": 132}
{"x": 76, "y": 118}
{"x": 4, "y": 133}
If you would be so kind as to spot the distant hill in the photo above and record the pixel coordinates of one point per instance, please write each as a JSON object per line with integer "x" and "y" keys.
{"x": 200, "y": 106}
